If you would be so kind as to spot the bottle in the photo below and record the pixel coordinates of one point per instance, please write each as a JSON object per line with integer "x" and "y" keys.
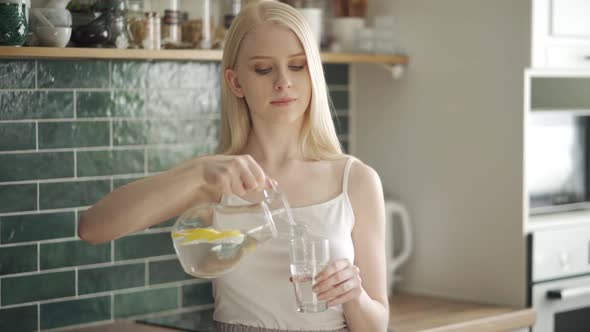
{"x": 151, "y": 37}
{"x": 135, "y": 23}
{"x": 171, "y": 32}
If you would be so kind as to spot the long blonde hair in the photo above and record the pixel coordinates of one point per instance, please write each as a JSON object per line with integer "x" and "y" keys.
{"x": 318, "y": 139}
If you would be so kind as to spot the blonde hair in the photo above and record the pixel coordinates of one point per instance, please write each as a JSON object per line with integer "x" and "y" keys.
{"x": 318, "y": 139}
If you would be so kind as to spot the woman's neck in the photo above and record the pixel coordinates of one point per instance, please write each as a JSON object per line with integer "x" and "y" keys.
{"x": 274, "y": 146}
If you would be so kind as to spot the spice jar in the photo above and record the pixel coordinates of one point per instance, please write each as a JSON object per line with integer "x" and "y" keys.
{"x": 135, "y": 24}
{"x": 171, "y": 30}
{"x": 151, "y": 38}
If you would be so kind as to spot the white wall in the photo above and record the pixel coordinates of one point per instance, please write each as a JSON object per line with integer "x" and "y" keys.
{"x": 447, "y": 141}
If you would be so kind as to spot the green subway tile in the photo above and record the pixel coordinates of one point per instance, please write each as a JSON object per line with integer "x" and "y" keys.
{"x": 110, "y": 104}
{"x": 33, "y": 166}
{"x": 72, "y": 253}
{"x": 194, "y": 74}
{"x": 72, "y": 194}
{"x": 18, "y": 259}
{"x": 207, "y": 100}
{"x": 95, "y": 163}
{"x": 19, "y": 105}
{"x": 17, "y": 74}
{"x": 336, "y": 74}
{"x": 17, "y": 136}
{"x": 341, "y": 124}
{"x": 143, "y": 245}
{"x": 64, "y": 313}
{"x": 144, "y": 302}
{"x": 111, "y": 278}
{"x": 197, "y": 294}
{"x": 160, "y": 159}
{"x": 193, "y": 130}
{"x": 73, "y": 74}
{"x": 167, "y": 223}
{"x": 132, "y": 132}
{"x": 169, "y": 102}
{"x": 20, "y": 319}
{"x": 167, "y": 271}
{"x": 340, "y": 100}
{"x": 130, "y": 74}
{"x": 163, "y": 74}
{"x": 73, "y": 134}
{"x": 37, "y": 287}
{"x": 15, "y": 198}
{"x": 37, "y": 227}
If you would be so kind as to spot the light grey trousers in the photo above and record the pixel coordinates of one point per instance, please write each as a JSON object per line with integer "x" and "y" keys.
{"x": 224, "y": 327}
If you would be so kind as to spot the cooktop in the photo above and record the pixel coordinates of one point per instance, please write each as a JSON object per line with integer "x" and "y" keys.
{"x": 194, "y": 321}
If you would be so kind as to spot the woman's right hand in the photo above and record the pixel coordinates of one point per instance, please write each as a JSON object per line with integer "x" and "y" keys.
{"x": 236, "y": 174}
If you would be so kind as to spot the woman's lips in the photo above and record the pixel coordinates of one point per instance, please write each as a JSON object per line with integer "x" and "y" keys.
{"x": 282, "y": 102}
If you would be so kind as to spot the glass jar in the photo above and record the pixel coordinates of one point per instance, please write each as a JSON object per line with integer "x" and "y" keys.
{"x": 13, "y": 26}
{"x": 171, "y": 30}
{"x": 151, "y": 26}
{"x": 135, "y": 23}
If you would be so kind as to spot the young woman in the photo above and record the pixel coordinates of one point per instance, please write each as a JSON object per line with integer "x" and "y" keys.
{"x": 275, "y": 124}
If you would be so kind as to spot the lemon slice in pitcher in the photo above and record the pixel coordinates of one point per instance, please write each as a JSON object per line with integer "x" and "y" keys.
{"x": 208, "y": 235}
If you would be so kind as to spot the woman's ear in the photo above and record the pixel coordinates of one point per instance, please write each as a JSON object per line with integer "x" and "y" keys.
{"x": 231, "y": 78}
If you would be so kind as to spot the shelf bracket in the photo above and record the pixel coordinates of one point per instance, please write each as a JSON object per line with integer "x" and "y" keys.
{"x": 396, "y": 70}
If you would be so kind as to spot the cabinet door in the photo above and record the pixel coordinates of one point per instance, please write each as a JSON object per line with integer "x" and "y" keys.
{"x": 571, "y": 18}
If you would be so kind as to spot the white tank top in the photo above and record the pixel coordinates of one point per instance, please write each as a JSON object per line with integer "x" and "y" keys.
{"x": 258, "y": 292}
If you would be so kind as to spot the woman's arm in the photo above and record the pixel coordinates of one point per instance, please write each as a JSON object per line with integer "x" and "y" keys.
{"x": 370, "y": 310}
{"x": 361, "y": 287}
{"x": 156, "y": 198}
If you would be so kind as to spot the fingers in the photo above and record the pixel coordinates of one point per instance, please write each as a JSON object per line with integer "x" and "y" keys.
{"x": 239, "y": 174}
{"x": 332, "y": 268}
{"x": 338, "y": 283}
{"x": 343, "y": 298}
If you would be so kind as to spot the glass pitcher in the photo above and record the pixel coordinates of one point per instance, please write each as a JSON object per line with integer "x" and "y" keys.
{"x": 210, "y": 240}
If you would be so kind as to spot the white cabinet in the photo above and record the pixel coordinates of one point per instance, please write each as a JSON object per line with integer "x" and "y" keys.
{"x": 570, "y": 18}
{"x": 561, "y": 34}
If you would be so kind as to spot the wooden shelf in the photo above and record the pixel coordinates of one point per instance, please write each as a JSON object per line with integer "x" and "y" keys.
{"x": 198, "y": 55}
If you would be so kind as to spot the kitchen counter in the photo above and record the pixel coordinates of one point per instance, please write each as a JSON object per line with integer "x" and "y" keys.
{"x": 408, "y": 313}
{"x": 411, "y": 313}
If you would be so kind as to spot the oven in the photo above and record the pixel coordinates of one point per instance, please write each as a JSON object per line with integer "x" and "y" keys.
{"x": 559, "y": 278}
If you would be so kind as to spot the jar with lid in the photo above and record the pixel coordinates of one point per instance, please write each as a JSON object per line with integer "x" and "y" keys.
{"x": 13, "y": 29}
{"x": 135, "y": 23}
{"x": 171, "y": 30}
{"x": 152, "y": 35}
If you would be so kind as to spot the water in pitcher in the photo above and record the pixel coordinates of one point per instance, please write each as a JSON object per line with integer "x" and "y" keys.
{"x": 209, "y": 253}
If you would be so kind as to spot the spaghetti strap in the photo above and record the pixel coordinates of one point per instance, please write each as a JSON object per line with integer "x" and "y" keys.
{"x": 345, "y": 176}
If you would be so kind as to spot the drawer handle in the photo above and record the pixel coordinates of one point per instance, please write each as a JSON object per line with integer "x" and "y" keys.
{"x": 587, "y": 58}
{"x": 568, "y": 293}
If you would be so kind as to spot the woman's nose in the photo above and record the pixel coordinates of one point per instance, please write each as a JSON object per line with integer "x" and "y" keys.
{"x": 283, "y": 81}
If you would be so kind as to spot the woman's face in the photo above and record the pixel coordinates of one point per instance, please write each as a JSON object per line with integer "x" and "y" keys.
{"x": 272, "y": 75}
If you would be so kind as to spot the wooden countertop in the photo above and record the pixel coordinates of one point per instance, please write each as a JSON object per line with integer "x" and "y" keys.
{"x": 408, "y": 313}
{"x": 411, "y": 313}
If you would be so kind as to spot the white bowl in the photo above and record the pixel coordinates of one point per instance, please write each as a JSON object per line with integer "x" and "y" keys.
{"x": 55, "y": 4}
{"x": 54, "y": 37}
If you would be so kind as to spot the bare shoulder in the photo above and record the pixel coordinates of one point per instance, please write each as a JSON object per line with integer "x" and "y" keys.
{"x": 366, "y": 194}
{"x": 362, "y": 176}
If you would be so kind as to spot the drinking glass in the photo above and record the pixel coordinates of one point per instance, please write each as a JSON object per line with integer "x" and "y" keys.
{"x": 309, "y": 256}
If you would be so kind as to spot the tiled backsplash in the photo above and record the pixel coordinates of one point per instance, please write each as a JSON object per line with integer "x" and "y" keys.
{"x": 72, "y": 131}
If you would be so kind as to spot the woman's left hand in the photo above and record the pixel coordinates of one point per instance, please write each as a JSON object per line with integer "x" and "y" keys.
{"x": 338, "y": 283}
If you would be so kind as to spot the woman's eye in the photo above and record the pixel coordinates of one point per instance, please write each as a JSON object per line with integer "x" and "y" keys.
{"x": 296, "y": 68}
{"x": 262, "y": 71}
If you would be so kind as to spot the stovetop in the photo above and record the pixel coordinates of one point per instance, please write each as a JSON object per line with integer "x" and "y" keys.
{"x": 194, "y": 321}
